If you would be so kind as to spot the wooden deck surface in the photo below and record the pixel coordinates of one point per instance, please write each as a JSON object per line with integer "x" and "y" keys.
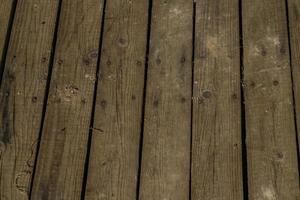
{"x": 149, "y": 99}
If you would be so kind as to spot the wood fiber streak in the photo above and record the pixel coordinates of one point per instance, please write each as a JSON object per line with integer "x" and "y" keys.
{"x": 216, "y": 144}
{"x": 271, "y": 136}
{"x": 6, "y": 11}
{"x": 61, "y": 159}
{"x": 22, "y": 94}
{"x": 114, "y": 156}
{"x": 294, "y": 19}
{"x": 166, "y": 145}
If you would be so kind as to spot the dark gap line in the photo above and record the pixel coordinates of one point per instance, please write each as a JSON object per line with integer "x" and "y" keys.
{"x": 45, "y": 101}
{"x": 90, "y": 136}
{"x": 243, "y": 118}
{"x": 292, "y": 78}
{"x": 192, "y": 95}
{"x": 7, "y": 39}
{"x": 144, "y": 100}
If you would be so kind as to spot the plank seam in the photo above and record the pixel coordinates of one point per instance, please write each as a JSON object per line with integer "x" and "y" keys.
{"x": 45, "y": 101}
{"x": 243, "y": 118}
{"x": 89, "y": 142}
{"x": 144, "y": 100}
{"x": 7, "y": 39}
{"x": 292, "y": 79}
{"x": 192, "y": 94}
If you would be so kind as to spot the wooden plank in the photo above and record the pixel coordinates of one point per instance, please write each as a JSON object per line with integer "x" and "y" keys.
{"x": 6, "y": 8}
{"x": 22, "y": 94}
{"x": 216, "y": 144}
{"x": 60, "y": 164}
{"x": 294, "y": 17}
{"x": 271, "y": 136}
{"x": 114, "y": 153}
{"x": 166, "y": 145}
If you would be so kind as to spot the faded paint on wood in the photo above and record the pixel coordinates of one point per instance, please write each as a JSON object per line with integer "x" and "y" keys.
{"x": 114, "y": 156}
{"x": 166, "y": 146}
{"x": 22, "y": 94}
{"x": 271, "y": 136}
{"x": 61, "y": 159}
{"x": 216, "y": 144}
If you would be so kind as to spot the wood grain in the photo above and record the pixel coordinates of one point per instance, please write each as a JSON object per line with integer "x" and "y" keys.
{"x": 271, "y": 136}
{"x": 114, "y": 156}
{"x": 166, "y": 145}
{"x": 216, "y": 144}
{"x": 22, "y": 94}
{"x": 6, "y": 9}
{"x": 60, "y": 164}
{"x": 294, "y": 25}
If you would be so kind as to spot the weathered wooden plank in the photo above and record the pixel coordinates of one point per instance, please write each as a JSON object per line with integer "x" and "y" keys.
{"x": 294, "y": 24}
{"x": 271, "y": 136}
{"x": 6, "y": 9}
{"x": 22, "y": 94}
{"x": 60, "y": 164}
{"x": 216, "y": 144}
{"x": 114, "y": 153}
{"x": 166, "y": 145}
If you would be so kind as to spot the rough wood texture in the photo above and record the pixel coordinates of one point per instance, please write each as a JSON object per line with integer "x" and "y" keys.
{"x": 191, "y": 90}
{"x": 166, "y": 145}
{"x": 61, "y": 159}
{"x": 114, "y": 153}
{"x": 271, "y": 136}
{"x": 216, "y": 145}
{"x": 294, "y": 19}
{"x": 22, "y": 94}
{"x": 5, "y": 10}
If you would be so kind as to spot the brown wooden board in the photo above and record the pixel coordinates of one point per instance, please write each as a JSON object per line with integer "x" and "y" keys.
{"x": 294, "y": 25}
{"x": 6, "y": 9}
{"x": 216, "y": 145}
{"x": 22, "y": 94}
{"x": 271, "y": 136}
{"x": 114, "y": 155}
{"x": 60, "y": 164}
{"x": 166, "y": 144}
